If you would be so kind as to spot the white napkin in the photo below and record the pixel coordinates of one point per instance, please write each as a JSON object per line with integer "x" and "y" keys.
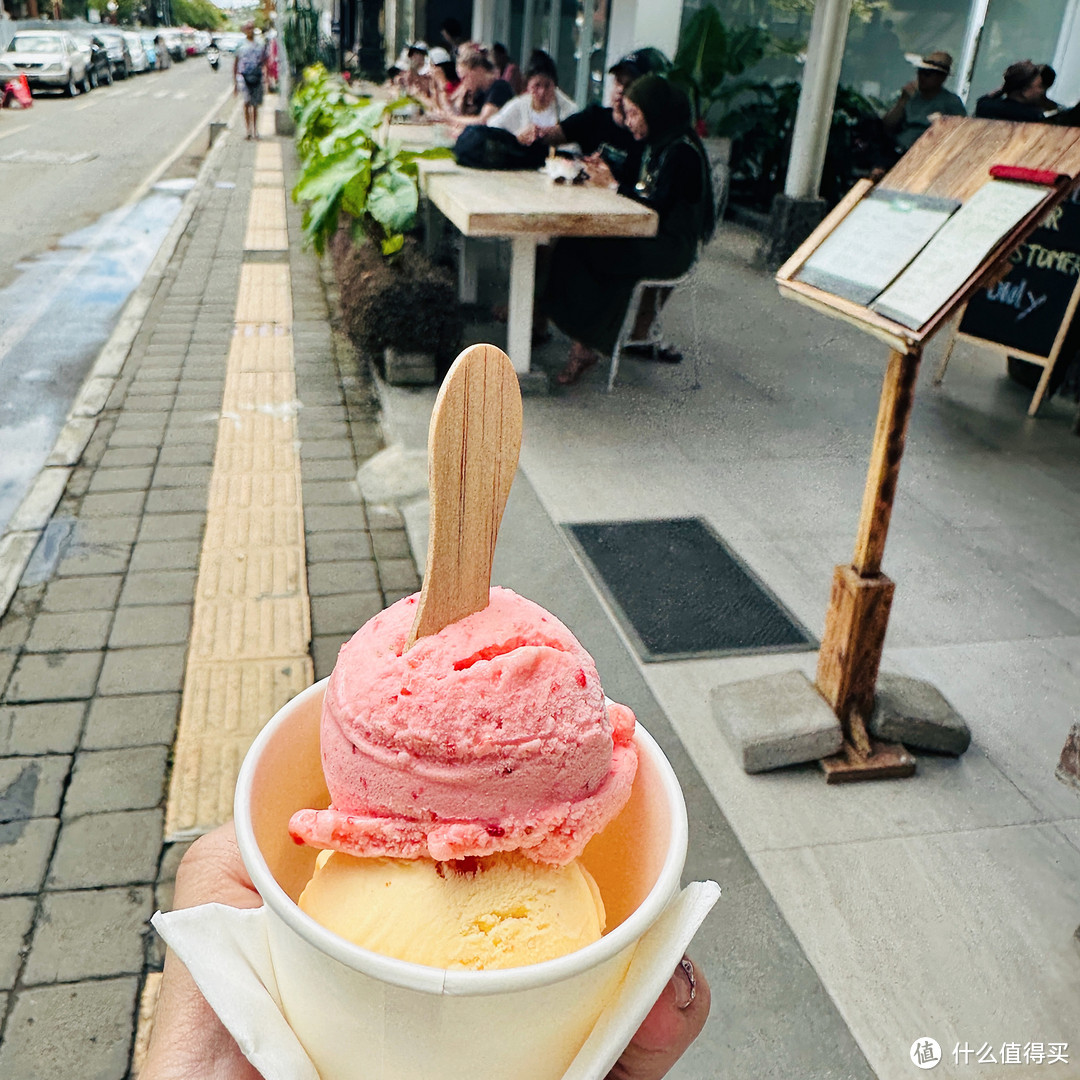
{"x": 226, "y": 951}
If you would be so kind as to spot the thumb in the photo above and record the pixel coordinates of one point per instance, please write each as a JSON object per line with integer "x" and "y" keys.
{"x": 671, "y": 1026}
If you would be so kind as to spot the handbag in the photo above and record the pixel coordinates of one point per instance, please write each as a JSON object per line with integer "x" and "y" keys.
{"x": 482, "y": 147}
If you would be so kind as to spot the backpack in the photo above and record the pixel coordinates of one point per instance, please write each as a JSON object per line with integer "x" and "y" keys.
{"x": 251, "y": 68}
{"x": 481, "y": 147}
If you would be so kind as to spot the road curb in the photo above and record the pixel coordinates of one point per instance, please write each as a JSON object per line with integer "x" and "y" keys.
{"x": 23, "y": 531}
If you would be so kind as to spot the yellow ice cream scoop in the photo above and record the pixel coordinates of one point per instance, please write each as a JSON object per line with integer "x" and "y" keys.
{"x": 499, "y": 911}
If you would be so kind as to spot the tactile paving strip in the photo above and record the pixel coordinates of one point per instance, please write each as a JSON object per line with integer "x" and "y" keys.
{"x": 266, "y": 229}
{"x": 251, "y": 625}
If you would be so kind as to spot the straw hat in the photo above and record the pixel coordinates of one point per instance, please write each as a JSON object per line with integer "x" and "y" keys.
{"x": 936, "y": 61}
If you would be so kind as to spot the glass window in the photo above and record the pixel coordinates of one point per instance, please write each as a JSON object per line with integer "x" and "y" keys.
{"x": 26, "y": 43}
{"x": 1015, "y": 30}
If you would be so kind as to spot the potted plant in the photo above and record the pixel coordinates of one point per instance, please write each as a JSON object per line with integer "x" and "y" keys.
{"x": 355, "y": 179}
{"x": 710, "y": 58}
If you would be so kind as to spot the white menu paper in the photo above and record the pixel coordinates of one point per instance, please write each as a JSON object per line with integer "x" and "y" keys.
{"x": 957, "y": 250}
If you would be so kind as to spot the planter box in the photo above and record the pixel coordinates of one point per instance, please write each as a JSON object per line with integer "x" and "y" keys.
{"x": 408, "y": 368}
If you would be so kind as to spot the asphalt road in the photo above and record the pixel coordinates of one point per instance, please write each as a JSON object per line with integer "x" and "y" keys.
{"x": 88, "y": 189}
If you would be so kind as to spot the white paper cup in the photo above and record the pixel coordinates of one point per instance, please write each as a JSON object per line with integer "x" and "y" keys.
{"x": 359, "y": 1014}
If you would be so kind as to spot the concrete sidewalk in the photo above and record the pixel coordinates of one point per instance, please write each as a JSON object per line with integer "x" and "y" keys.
{"x": 218, "y": 482}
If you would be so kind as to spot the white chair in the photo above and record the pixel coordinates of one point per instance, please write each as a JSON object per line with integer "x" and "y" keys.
{"x": 659, "y": 288}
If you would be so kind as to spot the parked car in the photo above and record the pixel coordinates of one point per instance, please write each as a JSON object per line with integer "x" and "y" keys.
{"x": 139, "y": 60}
{"x": 229, "y": 41}
{"x": 175, "y": 44}
{"x": 50, "y": 59}
{"x": 117, "y": 47}
{"x": 202, "y": 41}
{"x": 149, "y": 44}
{"x": 187, "y": 36}
{"x": 99, "y": 70}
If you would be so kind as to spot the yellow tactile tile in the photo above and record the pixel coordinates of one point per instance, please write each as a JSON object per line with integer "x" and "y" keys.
{"x": 266, "y": 230}
{"x": 267, "y": 125}
{"x": 268, "y": 156}
{"x": 265, "y": 295}
{"x": 225, "y": 706}
{"x": 268, "y": 178}
{"x": 145, "y": 1028}
{"x": 251, "y": 624}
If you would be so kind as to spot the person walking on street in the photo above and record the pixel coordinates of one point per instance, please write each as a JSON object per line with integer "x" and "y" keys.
{"x": 249, "y": 78}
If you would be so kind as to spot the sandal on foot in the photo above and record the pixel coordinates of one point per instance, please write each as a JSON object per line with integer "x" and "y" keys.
{"x": 576, "y": 366}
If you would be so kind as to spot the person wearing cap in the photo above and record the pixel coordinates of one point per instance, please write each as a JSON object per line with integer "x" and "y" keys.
{"x": 601, "y": 132}
{"x": 443, "y": 71}
{"x": 1018, "y": 98}
{"x": 921, "y": 100}
{"x": 591, "y": 280}
{"x": 542, "y": 105}
{"x": 414, "y": 73}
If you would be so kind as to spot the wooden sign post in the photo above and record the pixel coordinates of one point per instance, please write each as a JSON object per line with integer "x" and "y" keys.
{"x": 949, "y": 166}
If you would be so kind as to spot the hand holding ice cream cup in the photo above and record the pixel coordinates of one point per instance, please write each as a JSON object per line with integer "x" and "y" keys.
{"x": 469, "y": 858}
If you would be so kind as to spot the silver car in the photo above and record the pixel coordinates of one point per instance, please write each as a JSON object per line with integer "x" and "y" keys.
{"x": 48, "y": 58}
{"x": 139, "y": 59}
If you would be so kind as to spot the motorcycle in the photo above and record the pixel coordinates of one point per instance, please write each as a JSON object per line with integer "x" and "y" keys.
{"x": 213, "y": 56}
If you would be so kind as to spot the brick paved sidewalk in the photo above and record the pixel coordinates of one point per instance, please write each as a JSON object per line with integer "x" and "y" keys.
{"x": 94, "y": 645}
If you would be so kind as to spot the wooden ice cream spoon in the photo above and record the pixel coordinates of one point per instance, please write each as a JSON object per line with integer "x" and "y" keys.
{"x": 473, "y": 446}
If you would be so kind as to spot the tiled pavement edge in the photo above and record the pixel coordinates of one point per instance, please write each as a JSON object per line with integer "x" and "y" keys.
{"x": 93, "y": 646}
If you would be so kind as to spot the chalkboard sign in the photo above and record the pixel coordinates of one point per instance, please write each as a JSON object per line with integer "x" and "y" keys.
{"x": 1025, "y": 311}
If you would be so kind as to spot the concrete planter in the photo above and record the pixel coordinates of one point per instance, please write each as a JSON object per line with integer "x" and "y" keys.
{"x": 402, "y": 368}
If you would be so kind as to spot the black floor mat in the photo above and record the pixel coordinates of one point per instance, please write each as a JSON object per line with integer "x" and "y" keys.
{"x": 680, "y": 592}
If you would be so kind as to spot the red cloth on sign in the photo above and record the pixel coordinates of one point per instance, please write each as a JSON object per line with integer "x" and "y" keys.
{"x": 1029, "y": 176}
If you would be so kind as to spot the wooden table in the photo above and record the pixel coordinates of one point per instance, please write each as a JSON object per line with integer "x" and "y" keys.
{"x": 527, "y": 208}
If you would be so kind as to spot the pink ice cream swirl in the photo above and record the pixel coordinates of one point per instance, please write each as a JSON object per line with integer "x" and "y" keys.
{"x": 492, "y": 735}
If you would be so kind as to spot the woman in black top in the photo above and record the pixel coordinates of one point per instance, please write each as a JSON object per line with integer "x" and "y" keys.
{"x": 1019, "y": 97}
{"x": 591, "y": 280}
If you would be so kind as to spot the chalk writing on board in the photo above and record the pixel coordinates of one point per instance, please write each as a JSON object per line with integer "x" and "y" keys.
{"x": 1024, "y": 312}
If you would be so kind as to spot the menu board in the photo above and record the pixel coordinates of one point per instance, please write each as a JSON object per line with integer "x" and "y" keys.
{"x": 957, "y": 251}
{"x": 874, "y": 243}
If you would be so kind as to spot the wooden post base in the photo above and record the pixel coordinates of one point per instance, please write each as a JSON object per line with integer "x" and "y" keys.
{"x": 853, "y": 641}
{"x": 885, "y": 761}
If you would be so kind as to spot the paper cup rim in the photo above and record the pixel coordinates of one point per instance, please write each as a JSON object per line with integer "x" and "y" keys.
{"x": 438, "y": 980}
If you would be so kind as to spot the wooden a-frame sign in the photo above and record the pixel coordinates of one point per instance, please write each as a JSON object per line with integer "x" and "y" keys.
{"x": 951, "y": 161}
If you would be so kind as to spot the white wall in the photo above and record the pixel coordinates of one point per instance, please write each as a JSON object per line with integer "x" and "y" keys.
{"x": 637, "y": 23}
{"x": 1067, "y": 59}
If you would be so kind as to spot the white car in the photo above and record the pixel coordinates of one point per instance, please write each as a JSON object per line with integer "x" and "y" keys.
{"x": 48, "y": 58}
{"x": 139, "y": 60}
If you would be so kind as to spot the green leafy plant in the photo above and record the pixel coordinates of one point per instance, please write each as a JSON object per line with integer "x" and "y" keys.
{"x": 711, "y": 56}
{"x": 349, "y": 168}
{"x": 761, "y": 130}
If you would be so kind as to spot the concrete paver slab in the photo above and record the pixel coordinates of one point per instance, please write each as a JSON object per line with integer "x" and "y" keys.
{"x": 54, "y": 676}
{"x": 154, "y": 669}
{"x": 74, "y": 1029}
{"x": 49, "y": 728}
{"x": 87, "y": 934}
{"x": 83, "y": 594}
{"x": 25, "y": 849}
{"x": 16, "y": 918}
{"x": 95, "y": 850}
{"x": 138, "y": 720}
{"x": 32, "y": 787}
{"x": 70, "y": 631}
{"x": 124, "y": 779}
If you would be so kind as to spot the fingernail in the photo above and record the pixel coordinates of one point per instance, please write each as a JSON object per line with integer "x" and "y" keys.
{"x": 685, "y": 981}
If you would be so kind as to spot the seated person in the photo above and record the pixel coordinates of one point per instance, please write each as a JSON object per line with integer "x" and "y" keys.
{"x": 1019, "y": 97}
{"x": 414, "y": 75}
{"x": 591, "y": 280}
{"x": 600, "y": 132}
{"x": 443, "y": 71}
{"x": 921, "y": 100}
{"x": 506, "y": 69}
{"x": 482, "y": 93}
{"x": 540, "y": 108}
{"x": 1049, "y": 77}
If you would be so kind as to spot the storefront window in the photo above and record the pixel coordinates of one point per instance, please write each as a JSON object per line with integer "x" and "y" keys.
{"x": 1015, "y": 30}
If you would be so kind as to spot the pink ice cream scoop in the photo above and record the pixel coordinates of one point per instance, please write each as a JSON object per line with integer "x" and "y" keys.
{"x": 491, "y": 735}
